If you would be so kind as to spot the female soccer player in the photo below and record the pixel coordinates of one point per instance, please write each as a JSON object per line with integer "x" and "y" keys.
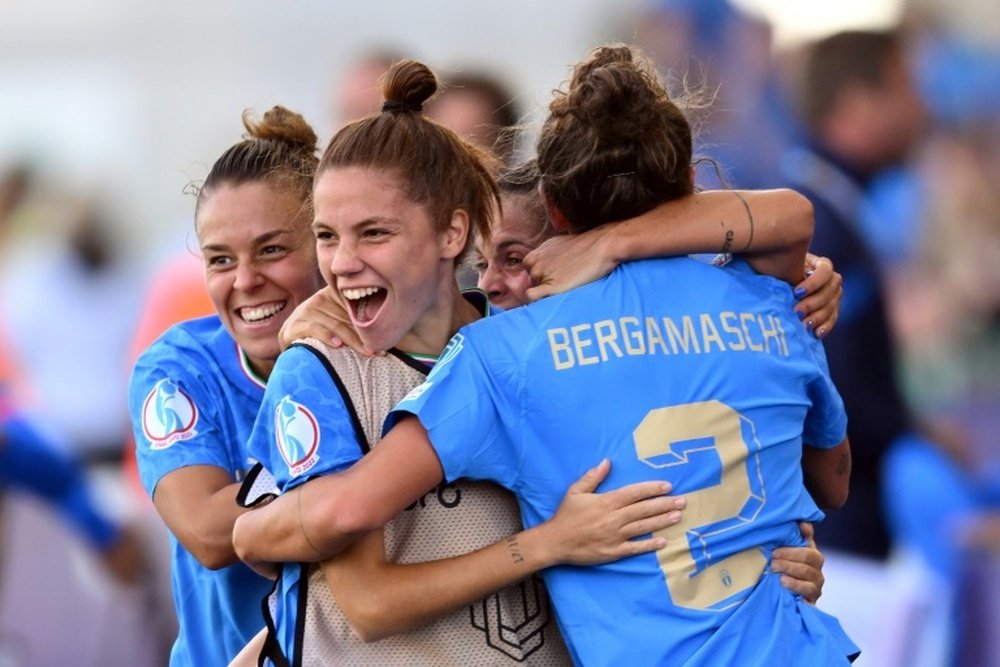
{"x": 714, "y": 388}
{"x": 194, "y": 393}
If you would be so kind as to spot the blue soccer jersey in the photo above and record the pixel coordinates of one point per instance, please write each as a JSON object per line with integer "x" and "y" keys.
{"x": 193, "y": 399}
{"x": 714, "y": 386}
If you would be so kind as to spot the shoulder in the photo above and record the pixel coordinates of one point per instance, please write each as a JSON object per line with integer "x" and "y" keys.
{"x": 185, "y": 351}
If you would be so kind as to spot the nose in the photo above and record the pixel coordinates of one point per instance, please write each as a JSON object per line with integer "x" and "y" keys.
{"x": 248, "y": 277}
{"x": 345, "y": 260}
{"x": 491, "y": 282}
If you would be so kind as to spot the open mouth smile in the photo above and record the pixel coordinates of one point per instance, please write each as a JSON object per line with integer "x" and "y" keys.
{"x": 364, "y": 303}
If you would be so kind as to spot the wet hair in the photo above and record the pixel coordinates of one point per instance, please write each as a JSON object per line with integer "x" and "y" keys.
{"x": 522, "y": 182}
{"x": 438, "y": 169}
{"x": 837, "y": 62}
{"x": 280, "y": 148}
{"x": 614, "y": 144}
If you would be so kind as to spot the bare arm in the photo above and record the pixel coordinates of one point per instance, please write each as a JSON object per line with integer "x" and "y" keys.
{"x": 381, "y": 599}
{"x": 827, "y": 474}
{"x": 198, "y": 504}
{"x": 772, "y": 228}
{"x": 322, "y": 517}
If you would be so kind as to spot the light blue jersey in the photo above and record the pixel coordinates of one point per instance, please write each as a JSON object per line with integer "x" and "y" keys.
{"x": 322, "y": 411}
{"x": 193, "y": 400}
{"x": 676, "y": 370}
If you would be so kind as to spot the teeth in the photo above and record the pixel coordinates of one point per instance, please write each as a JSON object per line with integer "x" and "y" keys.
{"x": 258, "y": 314}
{"x": 359, "y": 293}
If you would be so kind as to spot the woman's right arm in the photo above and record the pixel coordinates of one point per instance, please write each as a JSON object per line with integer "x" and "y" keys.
{"x": 381, "y": 599}
{"x": 198, "y": 504}
{"x": 771, "y": 228}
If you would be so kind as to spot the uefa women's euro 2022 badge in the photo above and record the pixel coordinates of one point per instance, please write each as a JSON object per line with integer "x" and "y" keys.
{"x": 168, "y": 415}
{"x": 297, "y": 434}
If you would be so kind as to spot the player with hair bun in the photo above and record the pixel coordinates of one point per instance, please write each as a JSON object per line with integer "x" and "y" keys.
{"x": 673, "y": 369}
{"x": 194, "y": 393}
{"x": 448, "y": 581}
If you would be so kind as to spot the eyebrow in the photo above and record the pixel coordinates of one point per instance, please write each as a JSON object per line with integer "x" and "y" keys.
{"x": 506, "y": 245}
{"x": 263, "y": 238}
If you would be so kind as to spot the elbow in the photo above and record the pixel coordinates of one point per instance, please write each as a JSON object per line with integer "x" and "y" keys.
{"x": 834, "y": 500}
{"x": 336, "y": 520}
{"x": 801, "y": 219}
{"x": 212, "y": 554}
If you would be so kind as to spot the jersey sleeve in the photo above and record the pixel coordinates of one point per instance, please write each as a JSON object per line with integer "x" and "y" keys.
{"x": 826, "y": 421}
{"x": 304, "y": 428}
{"x": 468, "y": 417}
{"x": 175, "y": 416}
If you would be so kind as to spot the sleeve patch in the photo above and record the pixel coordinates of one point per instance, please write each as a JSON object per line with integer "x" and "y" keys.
{"x": 296, "y": 432}
{"x": 168, "y": 415}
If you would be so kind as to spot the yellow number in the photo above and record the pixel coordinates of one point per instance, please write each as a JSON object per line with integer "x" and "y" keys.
{"x": 668, "y": 437}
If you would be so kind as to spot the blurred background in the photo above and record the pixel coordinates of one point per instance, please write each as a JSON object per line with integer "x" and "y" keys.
{"x": 110, "y": 109}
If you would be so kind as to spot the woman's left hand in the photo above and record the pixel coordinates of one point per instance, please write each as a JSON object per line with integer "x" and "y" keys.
{"x": 819, "y": 295}
{"x": 801, "y": 568}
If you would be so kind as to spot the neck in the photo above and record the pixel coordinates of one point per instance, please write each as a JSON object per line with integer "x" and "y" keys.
{"x": 449, "y": 312}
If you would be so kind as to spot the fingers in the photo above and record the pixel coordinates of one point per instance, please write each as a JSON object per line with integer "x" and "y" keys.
{"x": 591, "y": 479}
{"x": 819, "y": 298}
{"x": 651, "y": 524}
{"x": 809, "y": 557}
{"x": 639, "y": 491}
{"x": 807, "y": 530}
{"x": 636, "y": 547}
{"x": 808, "y": 590}
{"x": 801, "y": 578}
{"x": 538, "y": 292}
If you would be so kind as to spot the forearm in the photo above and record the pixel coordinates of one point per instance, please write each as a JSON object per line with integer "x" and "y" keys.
{"x": 827, "y": 474}
{"x": 381, "y": 599}
{"x": 207, "y": 530}
{"x": 308, "y": 524}
{"x": 769, "y": 224}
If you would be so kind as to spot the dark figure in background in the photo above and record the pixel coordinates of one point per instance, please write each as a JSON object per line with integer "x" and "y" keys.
{"x": 863, "y": 114}
{"x": 480, "y": 108}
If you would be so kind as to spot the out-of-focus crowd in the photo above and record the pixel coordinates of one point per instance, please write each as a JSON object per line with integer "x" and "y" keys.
{"x": 895, "y": 137}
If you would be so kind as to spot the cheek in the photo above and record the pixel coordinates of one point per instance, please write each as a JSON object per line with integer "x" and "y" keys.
{"x": 518, "y": 285}
{"x": 218, "y": 290}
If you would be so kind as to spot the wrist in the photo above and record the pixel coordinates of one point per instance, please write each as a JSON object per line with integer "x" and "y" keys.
{"x": 534, "y": 549}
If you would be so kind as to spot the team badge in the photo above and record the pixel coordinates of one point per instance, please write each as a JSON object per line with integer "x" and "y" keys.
{"x": 297, "y": 434}
{"x": 168, "y": 415}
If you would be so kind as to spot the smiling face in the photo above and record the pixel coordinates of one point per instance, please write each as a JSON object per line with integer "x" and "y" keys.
{"x": 499, "y": 261}
{"x": 382, "y": 252}
{"x": 260, "y": 262}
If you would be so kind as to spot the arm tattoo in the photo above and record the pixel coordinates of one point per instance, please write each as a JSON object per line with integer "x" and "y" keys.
{"x": 515, "y": 549}
{"x": 843, "y": 465}
{"x": 749, "y": 219}
{"x": 728, "y": 243}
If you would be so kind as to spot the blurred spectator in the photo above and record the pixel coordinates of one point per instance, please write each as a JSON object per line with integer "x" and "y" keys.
{"x": 68, "y": 308}
{"x": 864, "y": 115}
{"x": 718, "y": 47}
{"x": 359, "y": 92}
{"x": 479, "y": 107}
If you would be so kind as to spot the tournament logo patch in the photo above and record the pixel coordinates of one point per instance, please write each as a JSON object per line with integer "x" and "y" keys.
{"x": 168, "y": 415}
{"x": 296, "y": 432}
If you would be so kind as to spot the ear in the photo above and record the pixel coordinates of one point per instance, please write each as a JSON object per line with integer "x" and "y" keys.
{"x": 454, "y": 236}
{"x": 556, "y": 217}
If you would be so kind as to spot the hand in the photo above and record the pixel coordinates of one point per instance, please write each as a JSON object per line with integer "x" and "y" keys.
{"x": 819, "y": 295}
{"x": 591, "y": 528}
{"x": 801, "y": 568}
{"x": 568, "y": 261}
{"x": 125, "y": 558}
{"x": 324, "y": 317}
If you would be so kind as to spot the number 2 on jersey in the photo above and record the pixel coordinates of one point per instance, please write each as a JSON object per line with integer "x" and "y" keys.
{"x": 667, "y": 438}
